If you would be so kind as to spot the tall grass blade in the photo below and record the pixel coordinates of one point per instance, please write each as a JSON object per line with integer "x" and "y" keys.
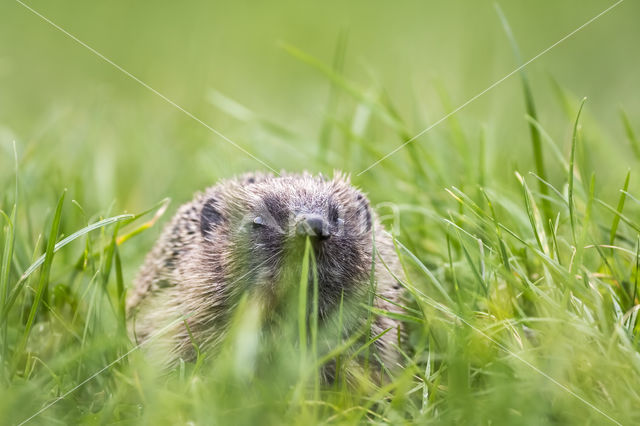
{"x": 635, "y": 281}
{"x": 572, "y": 159}
{"x": 7, "y": 255}
{"x": 586, "y": 222}
{"x": 5, "y": 270}
{"x": 536, "y": 141}
{"x": 302, "y": 303}
{"x": 372, "y": 296}
{"x": 314, "y": 321}
{"x": 35, "y": 265}
{"x": 619, "y": 208}
{"x": 44, "y": 275}
{"x": 120, "y": 291}
{"x": 553, "y": 229}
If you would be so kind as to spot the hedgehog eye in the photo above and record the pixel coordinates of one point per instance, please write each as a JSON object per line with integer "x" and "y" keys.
{"x": 258, "y": 222}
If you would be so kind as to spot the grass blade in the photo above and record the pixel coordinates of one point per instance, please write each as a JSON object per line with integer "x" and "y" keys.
{"x": 534, "y": 216}
{"x": 7, "y": 255}
{"x": 536, "y": 141}
{"x": 438, "y": 285}
{"x": 476, "y": 274}
{"x": 5, "y": 270}
{"x": 35, "y": 265}
{"x": 503, "y": 249}
{"x": 621, "y": 200}
{"x": 624, "y": 218}
{"x": 572, "y": 158}
{"x": 120, "y": 291}
{"x": 635, "y": 282}
{"x": 302, "y": 302}
{"x": 44, "y": 276}
{"x": 75, "y": 236}
{"x": 161, "y": 207}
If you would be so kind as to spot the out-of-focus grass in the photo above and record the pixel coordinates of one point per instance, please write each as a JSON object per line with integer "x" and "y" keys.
{"x": 512, "y": 275}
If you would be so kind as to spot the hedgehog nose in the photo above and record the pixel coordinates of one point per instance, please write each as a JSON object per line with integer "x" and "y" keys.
{"x": 312, "y": 225}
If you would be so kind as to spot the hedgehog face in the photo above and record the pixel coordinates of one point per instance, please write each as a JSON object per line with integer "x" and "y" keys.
{"x": 278, "y": 216}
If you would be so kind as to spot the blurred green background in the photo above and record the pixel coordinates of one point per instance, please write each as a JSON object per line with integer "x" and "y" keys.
{"x": 80, "y": 123}
{"x": 320, "y": 86}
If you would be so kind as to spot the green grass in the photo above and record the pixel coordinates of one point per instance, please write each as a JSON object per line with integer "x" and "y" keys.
{"x": 517, "y": 223}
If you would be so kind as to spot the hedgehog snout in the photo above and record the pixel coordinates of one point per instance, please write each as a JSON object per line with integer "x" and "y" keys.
{"x": 312, "y": 225}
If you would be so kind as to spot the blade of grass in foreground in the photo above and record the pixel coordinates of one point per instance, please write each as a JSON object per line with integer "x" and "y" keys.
{"x": 121, "y": 292}
{"x": 44, "y": 276}
{"x": 161, "y": 207}
{"x": 5, "y": 269}
{"x": 308, "y": 266}
{"x": 372, "y": 295}
{"x": 35, "y": 265}
{"x": 635, "y": 283}
{"x": 616, "y": 218}
{"x": 314, "y": 322}
{"x": 586, "y": 221}
{"x": 302, "y": 303}
{"x": 7, "y": 254}
{"x": 574, "y": 142}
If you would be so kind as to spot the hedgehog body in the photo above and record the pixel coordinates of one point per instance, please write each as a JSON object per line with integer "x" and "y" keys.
{"x": 247, "y": 235}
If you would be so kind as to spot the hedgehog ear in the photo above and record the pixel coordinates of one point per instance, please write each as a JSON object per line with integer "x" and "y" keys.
{"x": 365, "y": 210}
{"x": 210, "y": 217}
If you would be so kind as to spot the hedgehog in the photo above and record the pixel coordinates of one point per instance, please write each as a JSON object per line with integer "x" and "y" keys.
{"x": 245, "y": 237}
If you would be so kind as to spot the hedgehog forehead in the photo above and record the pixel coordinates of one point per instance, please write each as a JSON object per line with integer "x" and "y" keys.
{"x": 294, "y": 195}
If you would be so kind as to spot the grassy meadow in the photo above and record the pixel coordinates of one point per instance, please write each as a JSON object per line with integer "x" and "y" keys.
{"x": 517, "y": 219}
